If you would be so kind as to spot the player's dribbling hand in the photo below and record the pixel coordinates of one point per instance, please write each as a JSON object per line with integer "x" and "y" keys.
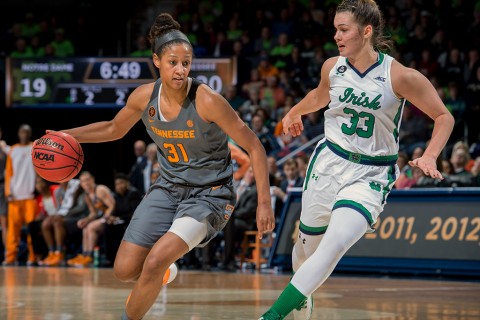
{"x": 292, "y": 124}
{"x": 265, "y": 220}
{"x": 428, "y": 165}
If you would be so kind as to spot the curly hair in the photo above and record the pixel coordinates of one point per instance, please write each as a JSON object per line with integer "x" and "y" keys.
{"x": 163, "y": 24}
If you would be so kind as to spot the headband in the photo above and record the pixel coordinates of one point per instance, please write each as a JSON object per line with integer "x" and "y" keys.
{"x": 174, "y": 35}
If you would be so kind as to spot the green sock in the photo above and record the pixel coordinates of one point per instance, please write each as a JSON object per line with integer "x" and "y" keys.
{"x": 289, "y": 299}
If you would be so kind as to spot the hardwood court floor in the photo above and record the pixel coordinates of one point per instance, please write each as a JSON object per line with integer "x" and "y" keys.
{"x": 64, "y": 293}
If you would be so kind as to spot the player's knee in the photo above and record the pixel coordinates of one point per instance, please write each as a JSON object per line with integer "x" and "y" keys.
{"x": 125, "y": 275}
{"x": 155, "y": 265}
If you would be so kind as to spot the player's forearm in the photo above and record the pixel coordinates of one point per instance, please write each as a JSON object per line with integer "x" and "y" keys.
{"x": 260, "y": 169}
{"x": 310, "y": 103}
{"x": 441, "y": 132}
{"x": 102, "y": 131}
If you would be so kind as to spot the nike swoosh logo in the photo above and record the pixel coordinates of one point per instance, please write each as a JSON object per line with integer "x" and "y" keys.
{"x": 151, "y": 120}
{"x": 215, "y": 188}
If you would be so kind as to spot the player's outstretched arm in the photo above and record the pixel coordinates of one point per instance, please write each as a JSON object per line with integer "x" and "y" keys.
{"x": 123, "y": 121}
{"x": 214, "y": 108}
{"x": 316, "y": 99}
{"x": 416, "y": 88}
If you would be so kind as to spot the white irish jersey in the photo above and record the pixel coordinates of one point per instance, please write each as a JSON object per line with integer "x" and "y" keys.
{"x": 364, "y": 114}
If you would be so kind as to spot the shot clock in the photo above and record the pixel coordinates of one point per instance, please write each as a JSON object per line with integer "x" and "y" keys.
{"x": 96, "y": 82}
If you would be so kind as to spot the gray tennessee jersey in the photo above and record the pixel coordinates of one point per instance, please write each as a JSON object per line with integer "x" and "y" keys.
{"x": 190, "y": 150}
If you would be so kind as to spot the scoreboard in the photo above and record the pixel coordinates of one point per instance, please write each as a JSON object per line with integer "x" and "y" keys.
{"x": 96, "y": 82}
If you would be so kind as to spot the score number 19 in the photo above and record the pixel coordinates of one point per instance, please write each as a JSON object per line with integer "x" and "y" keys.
{"x": 33, "y": 87}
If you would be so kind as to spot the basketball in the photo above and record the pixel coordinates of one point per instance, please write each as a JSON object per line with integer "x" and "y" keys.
{"x": 57, "y": 157}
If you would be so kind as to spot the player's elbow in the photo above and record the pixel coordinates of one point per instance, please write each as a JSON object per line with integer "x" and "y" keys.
{"x": 447, "y": 120}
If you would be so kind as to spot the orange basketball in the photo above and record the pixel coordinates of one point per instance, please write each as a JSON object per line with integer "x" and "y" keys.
{"x": 57, "y": 157}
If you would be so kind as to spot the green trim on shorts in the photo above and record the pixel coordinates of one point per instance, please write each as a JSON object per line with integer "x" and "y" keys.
{"x": 355, "y": 206}
{"x": 361, "y": 158}
{"x": 312, "y": 163}
{"x": 391, "y": 180}
{"x": 312, "y": 231}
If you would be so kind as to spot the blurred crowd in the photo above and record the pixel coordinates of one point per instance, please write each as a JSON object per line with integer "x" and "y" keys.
{"x": 279, "y": 57}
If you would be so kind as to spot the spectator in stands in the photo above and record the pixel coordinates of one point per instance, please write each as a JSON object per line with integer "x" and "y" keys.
{"x": 417, "y": 152}
{"x": 452, "y": 63}
{"x": 460, "y": 177}
{"x": 20, "y": 193}
{"x": 127, "y": 199}
{"x": 413, "y": 129}
{"x": 455, "y": 103}
{"x": 281, "y": 51}
{"x": 254, "y": 83}
{"x": 426, "y": 64}
{"x": 151, "y": 161}
{"x": 471, "y": 64}
{"x": 241, "y": 162}
{"x": 101, "y": 197}
{"x": 273, "y": 171}
{"x": 475, "y": 171}
{"x": 265, "y": 42}
{"x": 267, "y": 139}
{"x": 234, "y": 32}
{"x": 243, "y": 64}
{"x": 447, "y": 168}
{"x": 235, "y": 100}
{"x": 266, "y": 68}
{"x": 296, "y": 66}
{"x": 272, "y": 95}
{"x": 315, "y": 66}
{"x": 472, "y": 100}
{"x": 136, "y": 171}
{"x": 3, "y": 201}
{"x": 242, "y": 220}
{"x": 56, "y": 228}
{"x": 38, "y": 50}
{"x": 141, "y": 48}
{"x": 22, "y": 50}
{"x": 302, "y": 163}
{"x": 292, "y": 179}
{"x": 63, "y": 46}
{"x": 464, "y": 146}
{"x": 46, "y": 209}
{"x": 222, "y": 46}
{"x": 313, "y": 125}
{"x": 283, "y": 24}
{"x": 29, "y": 27}
{"x": 404, "y": 179}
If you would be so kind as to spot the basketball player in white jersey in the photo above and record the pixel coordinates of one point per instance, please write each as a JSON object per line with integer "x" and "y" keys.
{"x": 353, "y": 169}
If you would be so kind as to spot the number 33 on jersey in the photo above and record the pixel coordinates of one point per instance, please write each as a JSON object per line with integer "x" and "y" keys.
{"x": 364, "y": 113}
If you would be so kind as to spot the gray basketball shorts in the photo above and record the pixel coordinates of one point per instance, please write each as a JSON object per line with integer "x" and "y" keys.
{"x": 166, "y": 201}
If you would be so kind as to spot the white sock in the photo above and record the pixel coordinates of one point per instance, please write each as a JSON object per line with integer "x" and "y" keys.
{"x": 346, "y": 227}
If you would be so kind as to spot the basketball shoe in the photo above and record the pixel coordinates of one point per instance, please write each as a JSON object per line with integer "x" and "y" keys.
{"x": 305, "y": 310}
{"x": 55, "y": 260}
{"x": 271, "y": 315}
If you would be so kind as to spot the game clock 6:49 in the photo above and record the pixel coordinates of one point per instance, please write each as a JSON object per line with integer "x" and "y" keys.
{"x": 96, "y": 82}
{"x": 75, "y": 81}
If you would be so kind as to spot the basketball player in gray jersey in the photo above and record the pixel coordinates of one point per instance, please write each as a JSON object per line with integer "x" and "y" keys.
{"x": 193, "y": 198}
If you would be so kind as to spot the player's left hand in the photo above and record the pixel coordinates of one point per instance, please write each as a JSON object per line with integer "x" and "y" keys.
{"x": 265, "y": 219}
{"x": 428, "y": 165}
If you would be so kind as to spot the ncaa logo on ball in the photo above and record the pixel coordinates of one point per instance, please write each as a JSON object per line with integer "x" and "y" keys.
{"x": 44, "y": 156}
